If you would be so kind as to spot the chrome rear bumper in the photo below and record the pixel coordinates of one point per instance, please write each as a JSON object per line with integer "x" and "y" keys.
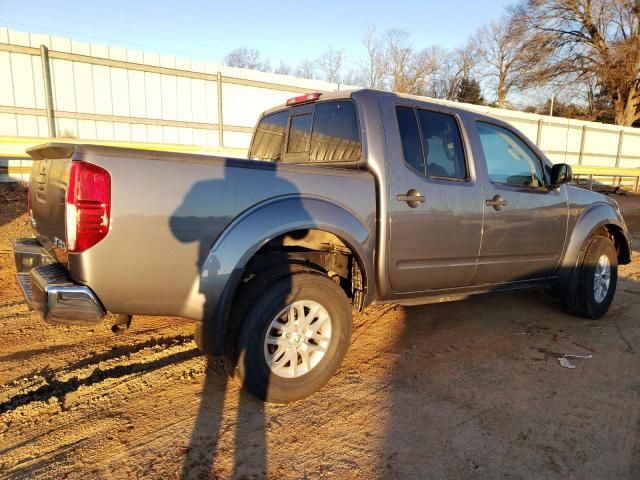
{"x": 49, "y": 289}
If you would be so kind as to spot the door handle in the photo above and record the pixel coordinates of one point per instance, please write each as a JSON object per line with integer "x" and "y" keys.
{"x": 496, "y": 202}
{"x": 412, "y": 197}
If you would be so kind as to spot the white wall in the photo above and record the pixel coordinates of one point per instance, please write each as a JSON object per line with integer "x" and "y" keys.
{"x": 123, "y": 104}
{"x": 83, "y": 88}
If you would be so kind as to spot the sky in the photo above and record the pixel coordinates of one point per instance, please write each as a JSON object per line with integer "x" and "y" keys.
{"x": 285, "y": 30}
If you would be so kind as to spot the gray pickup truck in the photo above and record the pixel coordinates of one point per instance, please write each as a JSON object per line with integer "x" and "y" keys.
{"x": 348, "y": 199}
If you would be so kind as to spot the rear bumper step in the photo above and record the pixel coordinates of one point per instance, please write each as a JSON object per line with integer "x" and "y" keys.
{"x": 48, "y": 288}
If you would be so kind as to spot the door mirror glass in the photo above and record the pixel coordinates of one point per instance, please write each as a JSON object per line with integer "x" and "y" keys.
{"x": 560, "y": 173}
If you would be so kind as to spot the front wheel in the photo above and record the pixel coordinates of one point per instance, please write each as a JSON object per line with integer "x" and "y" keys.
{"x": 292, "y": 334}
{"x": 597, "y": 277}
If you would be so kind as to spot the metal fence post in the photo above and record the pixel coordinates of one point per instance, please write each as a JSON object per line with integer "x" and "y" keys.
{"x": 220, "y": 120}
{"x": 582, "y": 139}
{"x": 48, "y": 91}
{"x": 619, "y": 152}
{"x": 539, "y": 134}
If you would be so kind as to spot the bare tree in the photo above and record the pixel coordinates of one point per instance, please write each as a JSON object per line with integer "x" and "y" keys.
{"x": 244, "y": 57}
{"x": 306, "y": 69}
{"x": 375, "y": 66}
{"x": 355, "y": 77}
{"x": 409, "y": 71}
{"x": 283, "y": 69}
{"x": 454, "y": 67}
{"x": 510, "y": 55}
{"x": 330, "y": 64}
{"x": 593, "y": 37}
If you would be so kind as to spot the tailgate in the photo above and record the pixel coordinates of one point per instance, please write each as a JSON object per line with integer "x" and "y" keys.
{"x": 47, "y": 191}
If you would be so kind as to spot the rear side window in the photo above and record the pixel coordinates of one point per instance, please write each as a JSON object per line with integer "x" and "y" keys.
{"x": 299, "y": 133}
{"x": 509, "y": 160}
{"x": 335, "y": 136}
{"x": 326, "y": 132}
{"x": 442, "y": 145}
{"x": 269, "y": 137}
{"x": 410, "y": 136}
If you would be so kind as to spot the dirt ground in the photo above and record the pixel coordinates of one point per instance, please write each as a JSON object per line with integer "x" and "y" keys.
{"x": 471, "y": 389}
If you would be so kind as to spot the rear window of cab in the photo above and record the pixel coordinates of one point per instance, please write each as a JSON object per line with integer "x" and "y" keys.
{"x": 325, "y": 132}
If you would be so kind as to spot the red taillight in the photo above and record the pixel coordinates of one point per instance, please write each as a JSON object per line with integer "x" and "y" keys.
{"x": 88, "y": 206}
{"x": 309, "y": 97}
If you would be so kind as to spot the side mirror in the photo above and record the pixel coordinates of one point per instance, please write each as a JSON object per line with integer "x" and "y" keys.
{"x": 560, "y": 173}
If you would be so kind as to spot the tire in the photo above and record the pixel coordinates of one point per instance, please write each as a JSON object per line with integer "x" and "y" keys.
{"x": 259, "y": 304}
{"x": 587, "y": 301}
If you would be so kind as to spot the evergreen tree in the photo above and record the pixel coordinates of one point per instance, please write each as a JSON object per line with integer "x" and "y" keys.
{"x": 469, "y": 91}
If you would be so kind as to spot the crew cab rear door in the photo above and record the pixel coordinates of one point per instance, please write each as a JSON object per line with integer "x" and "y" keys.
{"x": 525, "y": 222}
{"x": 435, "y": 201}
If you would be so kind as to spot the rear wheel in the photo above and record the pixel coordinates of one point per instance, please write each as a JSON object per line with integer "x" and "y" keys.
{"x": 291, "y": 332}
{"x": 597, "y": 277}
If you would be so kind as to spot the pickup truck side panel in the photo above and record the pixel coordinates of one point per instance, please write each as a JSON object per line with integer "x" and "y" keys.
{"x": 588, "y": 213}
{"x": 222, "y": 270}
{"x": 523, "y": 240}
{"x": 435, "y": 244}
{"x": 189, "y": 202}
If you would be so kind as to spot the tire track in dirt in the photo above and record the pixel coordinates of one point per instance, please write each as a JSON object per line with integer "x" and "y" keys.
{"x": 87, "y": 404}
{"x": 93, "y": 389}
{"x": 55, "y": 388}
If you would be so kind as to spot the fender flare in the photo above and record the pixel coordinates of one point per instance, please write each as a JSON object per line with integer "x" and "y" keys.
{"x": 591, "y": 220}
{"x": 223, "y": 269}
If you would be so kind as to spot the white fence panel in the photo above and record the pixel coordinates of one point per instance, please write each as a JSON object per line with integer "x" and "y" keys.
{"x": 63, "y": 84}
{"x": 6, "y": 80}
{"x": 23, "y": 85}
{"x": 112, "y": 93}
{"x": 630, "y": 152}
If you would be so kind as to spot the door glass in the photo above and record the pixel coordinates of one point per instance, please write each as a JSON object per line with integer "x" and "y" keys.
{"x": 509, "y": 160}
{"x": 299, "y": 134}
{"x": 410, "y": 136}
{"x": 269, "y": 137}
{"x": 442, "y": 145}
{"x": 335, "y": 136}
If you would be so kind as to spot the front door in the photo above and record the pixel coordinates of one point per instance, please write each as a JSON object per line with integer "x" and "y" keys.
{"x": 435, "y": 202}
{"x": 525, "y": 223}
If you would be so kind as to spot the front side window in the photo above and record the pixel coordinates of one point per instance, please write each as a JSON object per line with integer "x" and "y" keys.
{"x": 442, "y": 145}
{"x": 269, "y": 137}
{"x": 509, "y": 160}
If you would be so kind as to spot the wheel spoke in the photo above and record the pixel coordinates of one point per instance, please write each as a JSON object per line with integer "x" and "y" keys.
{"x": 299, "y": 307}
{"x": 310, "y": 317}
{"x": 278, "y": 353}
{"x": 322, "y": 319}
{"x": 316, "y": 348}
{"x": 320, "y": 338}
{"x": 280, "y": 363}
{"x": 271, "y": 340}
{"x": 291, "y": 317}
{"x": 304, "y": 354}
{"x": 293, "y": 363}
{"x": 601, "y": 278}
{"x": 296, "y": 341}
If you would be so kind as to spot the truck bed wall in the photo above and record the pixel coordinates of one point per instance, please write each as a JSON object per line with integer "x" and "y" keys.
{"x": 167, "y": 211}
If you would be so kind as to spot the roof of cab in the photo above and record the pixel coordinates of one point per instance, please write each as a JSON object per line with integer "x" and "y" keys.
{"x": 363, "y": 92}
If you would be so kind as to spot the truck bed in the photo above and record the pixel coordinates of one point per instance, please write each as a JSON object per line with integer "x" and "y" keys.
{"x": 167, "y": 211}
